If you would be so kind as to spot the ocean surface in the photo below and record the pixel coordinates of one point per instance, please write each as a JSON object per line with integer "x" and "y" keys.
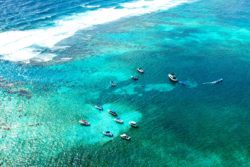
{"x": 57, "y": 59}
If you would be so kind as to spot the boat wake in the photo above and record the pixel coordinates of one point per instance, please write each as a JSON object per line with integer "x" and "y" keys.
{"x": 23, "y": 46}
{"x": 213, "y": 82}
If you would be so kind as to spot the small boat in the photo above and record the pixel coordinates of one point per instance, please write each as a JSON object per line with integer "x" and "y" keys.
{"x": 172, "y": 77}
{"x": 112, "y": 84}
{"x": 113, "y": 113}
{"x": 135, "y": 78}
{"x": 84, "y": 123}
{"x": 98, "y": 107}
{"x": 118, "y": 120}
{"x": 107, "y": 133}
{"x": 125, "y": 136}
{"x": 133, "y": 124}
{"x": 140, "y": 70}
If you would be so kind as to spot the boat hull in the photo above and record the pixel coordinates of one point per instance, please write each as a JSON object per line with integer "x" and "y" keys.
{"x": 172, "y": 78}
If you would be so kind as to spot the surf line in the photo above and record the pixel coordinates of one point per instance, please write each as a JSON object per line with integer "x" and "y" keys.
{"x": 22, "y": 46}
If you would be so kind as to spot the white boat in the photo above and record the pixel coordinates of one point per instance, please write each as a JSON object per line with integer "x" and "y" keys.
{"x": 172, "y": 77}
{"x": 84, "y": 123}
{"x": 125, "y": 136}
{"x": 107, "y": 133}
{"x": 140, "y": 70}
{"x": 118, "y": 120}
{"x": 133, "y": 124}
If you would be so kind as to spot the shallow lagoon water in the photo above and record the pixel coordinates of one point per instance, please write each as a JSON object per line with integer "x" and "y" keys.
{"x": 196, "y": 125}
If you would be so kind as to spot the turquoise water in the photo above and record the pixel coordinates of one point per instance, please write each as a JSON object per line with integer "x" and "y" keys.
{"x": 194, "y": 125}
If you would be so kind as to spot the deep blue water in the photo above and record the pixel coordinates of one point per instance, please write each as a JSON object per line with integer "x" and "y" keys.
{"x": 194, "y": 125}
{"x": 23, "y": 15}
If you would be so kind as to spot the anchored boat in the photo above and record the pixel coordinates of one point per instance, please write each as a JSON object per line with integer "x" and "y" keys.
{"x": 133, "y": 124}
{"x": 172, "y": 77}
{"x": 112, "y": 113}
{"x": 118, "y": 120}
{"x": 125, "y": 136}
{"x": 84, "y": 123}
{"x": 107, "y": 133}
{"x": 140, "y": 70}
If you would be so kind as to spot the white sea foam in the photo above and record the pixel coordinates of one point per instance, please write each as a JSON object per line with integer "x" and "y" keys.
{"x": 22, "y": 45}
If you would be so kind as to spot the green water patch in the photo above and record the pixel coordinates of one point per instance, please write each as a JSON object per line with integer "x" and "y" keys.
{"x": 96, "y": 72}
{"x": 159, "y": 87}
{"x": 51, "y": 120}
{"x": 156, "y": 144}
{"x": 140, "y": 89}
{"x": 205, "y": 126}
{"x": 207, "y": 134}
{"x": 114, "y": 71}
{"x": 196, "y": 135}
{"x": 174, "y": 153}
{"x": 132, "y": 89}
